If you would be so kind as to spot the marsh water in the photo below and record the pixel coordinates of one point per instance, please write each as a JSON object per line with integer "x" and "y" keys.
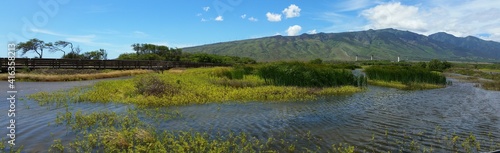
{"x": 352, "y": 119}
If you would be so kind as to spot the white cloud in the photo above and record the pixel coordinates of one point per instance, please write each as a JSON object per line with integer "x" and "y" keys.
{"x": 292, "y": 11}
{"x": 293, "y": 30}
{"x": 312, "y": 31}
{"x": 243, "y": 16}
{"x": 277, "y": 34}
{"x": 203, "y": 20}
{"x": 84, "y": 39}
{"x": 199, "y": 14}
{"x": 273, "y": 17}
{"x": 395, "y": 15}
{"x": 475, "y": 18}
{"x": 206, "y": 8}
{"x": 140, "y": 34}
{"x": 253, "y": 19}
{"x": 219, "y": 18}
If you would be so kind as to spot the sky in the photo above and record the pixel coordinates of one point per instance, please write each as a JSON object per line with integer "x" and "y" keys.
{"x": 115, "y": 25}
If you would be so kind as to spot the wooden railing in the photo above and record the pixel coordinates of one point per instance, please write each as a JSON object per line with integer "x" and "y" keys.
{"x": 37, "y": 63}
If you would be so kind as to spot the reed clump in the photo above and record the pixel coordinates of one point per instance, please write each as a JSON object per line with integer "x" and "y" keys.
{"x": 405, "y": 77}
{"x": 307, "y": 75}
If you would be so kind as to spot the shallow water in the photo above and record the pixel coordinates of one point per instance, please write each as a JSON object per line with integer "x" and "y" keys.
{"x": 459, "y": 108}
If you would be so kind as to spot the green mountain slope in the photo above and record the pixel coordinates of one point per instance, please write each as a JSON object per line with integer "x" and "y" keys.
{"x": 385, "y": 44}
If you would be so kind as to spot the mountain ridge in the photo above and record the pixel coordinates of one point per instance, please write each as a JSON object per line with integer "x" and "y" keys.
{"x": 383, "y": 44}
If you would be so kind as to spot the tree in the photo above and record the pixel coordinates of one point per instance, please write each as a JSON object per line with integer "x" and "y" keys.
{"x": 96, "y": 55}
{"x": 34, "y": 45}
{"x": 59, "y": 45}
{"x": 74, "y": 54}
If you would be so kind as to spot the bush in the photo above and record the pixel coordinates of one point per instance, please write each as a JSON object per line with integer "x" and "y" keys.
{"x": 152, "y": 85}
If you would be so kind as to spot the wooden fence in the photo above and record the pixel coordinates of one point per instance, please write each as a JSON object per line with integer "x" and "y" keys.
{"x": 45, "y": 63}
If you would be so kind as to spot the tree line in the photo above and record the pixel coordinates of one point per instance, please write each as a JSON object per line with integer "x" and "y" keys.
{"x": 69, "y": 51}
{"x": 142, "y": 52}
{"x": 159, "y": 52}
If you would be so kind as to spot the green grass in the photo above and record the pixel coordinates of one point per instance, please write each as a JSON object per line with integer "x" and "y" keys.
{"x": 409, "y": 78}
{"x": 112, "y": 132}
{"x": 193, "y": 86}
{"x": 307, "y": 75}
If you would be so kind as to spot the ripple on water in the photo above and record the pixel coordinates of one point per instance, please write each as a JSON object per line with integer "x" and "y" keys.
{"x": 352, "y": 119}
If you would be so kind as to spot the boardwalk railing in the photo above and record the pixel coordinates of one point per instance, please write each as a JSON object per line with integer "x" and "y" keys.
{"x": 43, "y": 63}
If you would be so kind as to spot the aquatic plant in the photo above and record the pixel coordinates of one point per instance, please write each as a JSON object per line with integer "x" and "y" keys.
{"x": 307, "y": 75}
{"x": 405, "y": 77}
{"x": 193, "y": 86}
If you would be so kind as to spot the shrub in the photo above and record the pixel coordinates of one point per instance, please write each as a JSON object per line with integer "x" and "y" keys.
{"x": 152, "y": 85}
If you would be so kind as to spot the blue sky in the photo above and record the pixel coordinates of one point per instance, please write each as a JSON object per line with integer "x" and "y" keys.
{"x": 115, "y": 25}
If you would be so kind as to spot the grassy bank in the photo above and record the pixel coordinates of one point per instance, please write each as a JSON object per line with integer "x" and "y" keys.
{"x": 192, "y": 86}
{"x": 405, "y": 77}
{"x": 488, "y": 80}
{"x": 72, "y": 75}
{"x": 402, "y": 86}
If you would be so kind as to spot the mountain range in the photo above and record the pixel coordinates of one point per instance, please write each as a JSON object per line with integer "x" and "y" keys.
{"x": 383, "y": 44}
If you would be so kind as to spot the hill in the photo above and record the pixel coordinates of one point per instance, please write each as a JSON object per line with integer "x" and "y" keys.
{"x": 384, "y": 44}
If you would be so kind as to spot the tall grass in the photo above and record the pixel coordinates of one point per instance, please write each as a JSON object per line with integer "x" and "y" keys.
{"x": 406, "y": 75}
{"x": 307, "y": 75}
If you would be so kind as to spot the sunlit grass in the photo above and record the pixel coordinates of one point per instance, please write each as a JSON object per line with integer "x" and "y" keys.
{"x": 73, "y": 77}
{"x": 490, "y": 70}
{"x": 400, "y": 85}
{"x": 193, "y": 86}
{"x": 126, "y": 132}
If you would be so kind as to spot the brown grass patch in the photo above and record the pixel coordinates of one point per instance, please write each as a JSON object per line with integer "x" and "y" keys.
{"x": 177, "y": 70}
{"x": 73, "y": 77}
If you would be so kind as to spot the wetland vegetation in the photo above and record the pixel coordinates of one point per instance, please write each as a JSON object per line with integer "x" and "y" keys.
{"x": 198, "y": 86}
{"x": 136, "y": 129}
{"x": 405, "y": 77}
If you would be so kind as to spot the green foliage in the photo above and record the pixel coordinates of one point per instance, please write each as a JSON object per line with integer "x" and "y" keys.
{"x": 96, "y": 55}
{"x": 166, "y": 53}
{"x": 34, "y": 45}
{"x": 194, "y": 86}
{"x": 436, "y": 65}
{"x": 405, "y": 75}
{"x": 155, "y": 52}
{"x": 316, "y": 61}
{"x": 212, "y": 58}
{"x": 307, "y": 75}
